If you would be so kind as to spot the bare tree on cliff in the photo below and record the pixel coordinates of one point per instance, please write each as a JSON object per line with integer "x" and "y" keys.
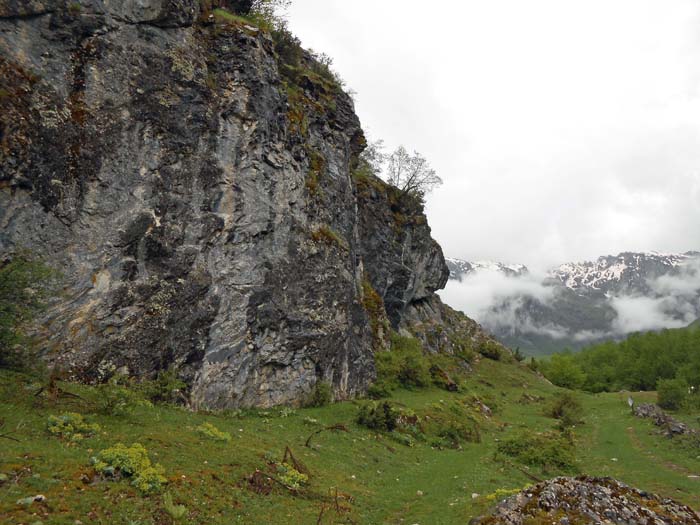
{"x": 411, "y": 174}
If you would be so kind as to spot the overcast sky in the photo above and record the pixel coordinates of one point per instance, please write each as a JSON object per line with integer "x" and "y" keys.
{"x": 563, "y": 130}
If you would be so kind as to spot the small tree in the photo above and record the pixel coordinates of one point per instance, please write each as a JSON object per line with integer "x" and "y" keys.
{"x": 411, "y": 174}
{"x": 373, "y": 157}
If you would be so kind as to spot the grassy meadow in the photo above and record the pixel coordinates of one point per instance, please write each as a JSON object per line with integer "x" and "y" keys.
{"x": 355, "y": 474}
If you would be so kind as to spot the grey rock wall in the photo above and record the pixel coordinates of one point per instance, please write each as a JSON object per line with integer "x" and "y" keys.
{"x": 202, "y": 210}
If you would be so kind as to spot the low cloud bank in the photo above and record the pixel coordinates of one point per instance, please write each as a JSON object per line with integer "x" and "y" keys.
{"x": 503, "y": 304}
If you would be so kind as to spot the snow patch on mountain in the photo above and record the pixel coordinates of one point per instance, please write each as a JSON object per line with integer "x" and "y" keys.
{"x": 578, "y": 303}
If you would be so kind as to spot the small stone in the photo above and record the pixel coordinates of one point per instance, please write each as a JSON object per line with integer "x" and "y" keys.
{"x": 419, "y": 493}
{"x": 31, "y": 499}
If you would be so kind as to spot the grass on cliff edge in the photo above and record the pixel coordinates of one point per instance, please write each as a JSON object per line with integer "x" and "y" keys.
{"x": 378, "y": 479}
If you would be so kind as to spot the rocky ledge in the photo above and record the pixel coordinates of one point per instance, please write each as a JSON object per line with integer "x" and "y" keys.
{"x": 587, "y": 500}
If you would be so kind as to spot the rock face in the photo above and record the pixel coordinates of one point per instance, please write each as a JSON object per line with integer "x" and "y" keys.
{"x": 199, "y": 202}
{"x": 587, "y": 500}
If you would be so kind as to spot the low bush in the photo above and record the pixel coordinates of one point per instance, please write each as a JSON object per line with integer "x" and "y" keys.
{"x": 452, "y": 423}
{"x": 71, "y": 426}
{"x": 291, "y": 476}
{"x": 210, "y": 431}
{"x": 671, "y": 393}
{"x": 547, "y": 450}
{"x": 405, "y": 365}
{"x": 490, "y": 350}
{"x": 379, "y": 390}
{"x": 119, "y": 400}
{"x": 130, "y": 462}
{"x": 566, "y": 408}
{"x": 378, "y": 416}
{"x": 321, "y": 395}
{"x": 165, "y": 388}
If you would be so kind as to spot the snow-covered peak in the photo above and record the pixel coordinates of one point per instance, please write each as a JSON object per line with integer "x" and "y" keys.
{"x": 459, "y": 268}
{"x": 627, "y": 269}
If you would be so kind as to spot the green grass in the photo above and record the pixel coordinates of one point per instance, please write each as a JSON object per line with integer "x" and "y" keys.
{"x": 382, "y": 476}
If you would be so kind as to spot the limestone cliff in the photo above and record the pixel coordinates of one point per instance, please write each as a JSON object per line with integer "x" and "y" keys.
{"x": 201, "y": 203}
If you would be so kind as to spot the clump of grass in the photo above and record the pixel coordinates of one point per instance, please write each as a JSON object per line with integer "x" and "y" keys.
{"x": 130, "y": 462}
{"x": 328, "y": 236}
{"x": 210, "y": 431}
{"x": 176, "y": 512}
{"x": 223, "y": 16}
{"x": 317, "y": 165}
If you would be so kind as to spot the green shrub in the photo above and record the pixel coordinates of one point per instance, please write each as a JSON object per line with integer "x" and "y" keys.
{"x": 287, "y": 46}
{"x": 547, "y": 450}
{"x": 453, "y": 422}
{"x": 490, "y": 350}
{"x": 566, "y": 408}
{"x": 327, "y": 235}
{"x": 118, "y": 400}
{"x": 321, "y": 395}
{"x": 71, "y": 426}
{"x": 403, "y": 439}
{"x": 210, "y": 431}
{"x": 378, "y": 416}
{"x": 671, "y": 393}
{"x": 379, "y": 390}
{"x": 130, "y": 462}
{"x": 165, "y": 388}
{"x": 564, "y": 371}
{"x": 291, "y": 476}
{"x": 25, "y": 283}
{"x": 405, "y": 365}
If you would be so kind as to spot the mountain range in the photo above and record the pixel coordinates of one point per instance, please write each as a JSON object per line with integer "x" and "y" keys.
{"x": 578, "y": 303}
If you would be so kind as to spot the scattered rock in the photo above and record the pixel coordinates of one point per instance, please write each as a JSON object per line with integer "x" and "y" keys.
{"x": 671, "y": 427}
{"x": 31, "y": 499}
{"x": 591, "y": 500}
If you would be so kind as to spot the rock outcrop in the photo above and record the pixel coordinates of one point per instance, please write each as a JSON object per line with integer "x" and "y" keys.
{"x": 669, "y": 425}
{"x": 586, "y": 500}
{"x": 199, "y": 198}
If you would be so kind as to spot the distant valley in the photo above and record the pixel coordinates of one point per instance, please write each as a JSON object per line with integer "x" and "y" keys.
{"x": 576, "y": 304}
